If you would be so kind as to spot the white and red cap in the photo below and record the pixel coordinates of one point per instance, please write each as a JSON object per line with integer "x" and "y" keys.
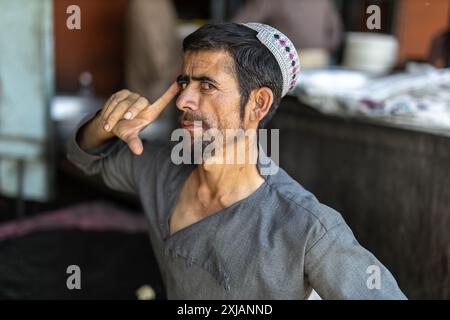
{"x": 283, "y": 50}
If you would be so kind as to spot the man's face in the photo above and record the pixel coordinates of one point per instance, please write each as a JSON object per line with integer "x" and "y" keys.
{"x": 209, "y": 92}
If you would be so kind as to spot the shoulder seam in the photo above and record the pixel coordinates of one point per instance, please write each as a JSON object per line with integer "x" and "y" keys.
{"x": 301, "y": 206}
{"x": 321, "y": 237}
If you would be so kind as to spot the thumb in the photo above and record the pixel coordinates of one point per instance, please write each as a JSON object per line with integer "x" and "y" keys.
{"x": 135, "y": 145}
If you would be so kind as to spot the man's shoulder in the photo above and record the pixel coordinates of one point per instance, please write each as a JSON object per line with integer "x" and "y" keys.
{"x": 156, "y": 160}
{"x": 299, "y": 204}
{"x": 156, "y": 151}
{"x": 151, "y": 147}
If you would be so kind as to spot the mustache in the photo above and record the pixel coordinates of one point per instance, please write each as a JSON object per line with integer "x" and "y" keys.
{"x": 192, "y": 116}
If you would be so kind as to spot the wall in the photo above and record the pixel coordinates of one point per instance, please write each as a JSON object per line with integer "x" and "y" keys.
{"x": 417, "y": 22}
{"x": 98, "y": 47}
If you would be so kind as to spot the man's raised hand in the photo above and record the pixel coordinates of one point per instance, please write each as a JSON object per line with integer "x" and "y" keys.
{"x": 126, "y": 114}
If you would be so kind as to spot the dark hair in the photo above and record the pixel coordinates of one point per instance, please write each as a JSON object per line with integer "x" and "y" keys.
{"x": 254, "y": 65}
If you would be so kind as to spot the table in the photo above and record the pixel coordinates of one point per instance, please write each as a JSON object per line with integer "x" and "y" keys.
{"x": 391, "y": 184}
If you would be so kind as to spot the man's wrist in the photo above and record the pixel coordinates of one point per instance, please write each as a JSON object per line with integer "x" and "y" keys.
{"x": 92, "y": 135}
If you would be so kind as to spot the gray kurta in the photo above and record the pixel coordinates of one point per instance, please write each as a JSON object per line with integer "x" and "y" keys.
{"x": 278, "y": 243}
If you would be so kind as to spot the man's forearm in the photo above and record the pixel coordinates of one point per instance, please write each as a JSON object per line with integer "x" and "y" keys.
{"x": 92, "y": 135}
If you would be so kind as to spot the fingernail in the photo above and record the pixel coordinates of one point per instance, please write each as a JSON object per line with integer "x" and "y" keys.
{"x": 106, "y": 127}
{"x": 128, "y": 115}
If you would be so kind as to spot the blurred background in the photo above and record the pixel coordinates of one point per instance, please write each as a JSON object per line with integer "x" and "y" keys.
{"x": 367, "y": 130}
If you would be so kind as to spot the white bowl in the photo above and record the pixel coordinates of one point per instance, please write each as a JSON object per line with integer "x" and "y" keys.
{"x": 370, "y": 52}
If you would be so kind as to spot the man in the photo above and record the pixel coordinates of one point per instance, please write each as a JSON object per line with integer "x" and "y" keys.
{"x": 152, "y": 55}
{"x": 439, "y": 53}
{"x": 220, "y": 230}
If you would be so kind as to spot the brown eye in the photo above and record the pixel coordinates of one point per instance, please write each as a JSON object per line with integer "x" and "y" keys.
{"x": 183, "y": 85}
{"x": 206, "y": 86}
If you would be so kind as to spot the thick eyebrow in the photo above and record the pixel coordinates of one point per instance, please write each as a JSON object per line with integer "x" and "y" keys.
{"x": 182, "y": 78}
{"x": 186, "y": 78}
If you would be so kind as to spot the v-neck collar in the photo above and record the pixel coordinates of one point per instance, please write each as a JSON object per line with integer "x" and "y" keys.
{"x": 175, "y": 188}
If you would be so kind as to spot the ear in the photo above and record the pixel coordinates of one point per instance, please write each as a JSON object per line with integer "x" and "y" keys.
{"x": 263, "y": 98}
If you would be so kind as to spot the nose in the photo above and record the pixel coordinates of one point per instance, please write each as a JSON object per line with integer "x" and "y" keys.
{"x": 188, "y": 99}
